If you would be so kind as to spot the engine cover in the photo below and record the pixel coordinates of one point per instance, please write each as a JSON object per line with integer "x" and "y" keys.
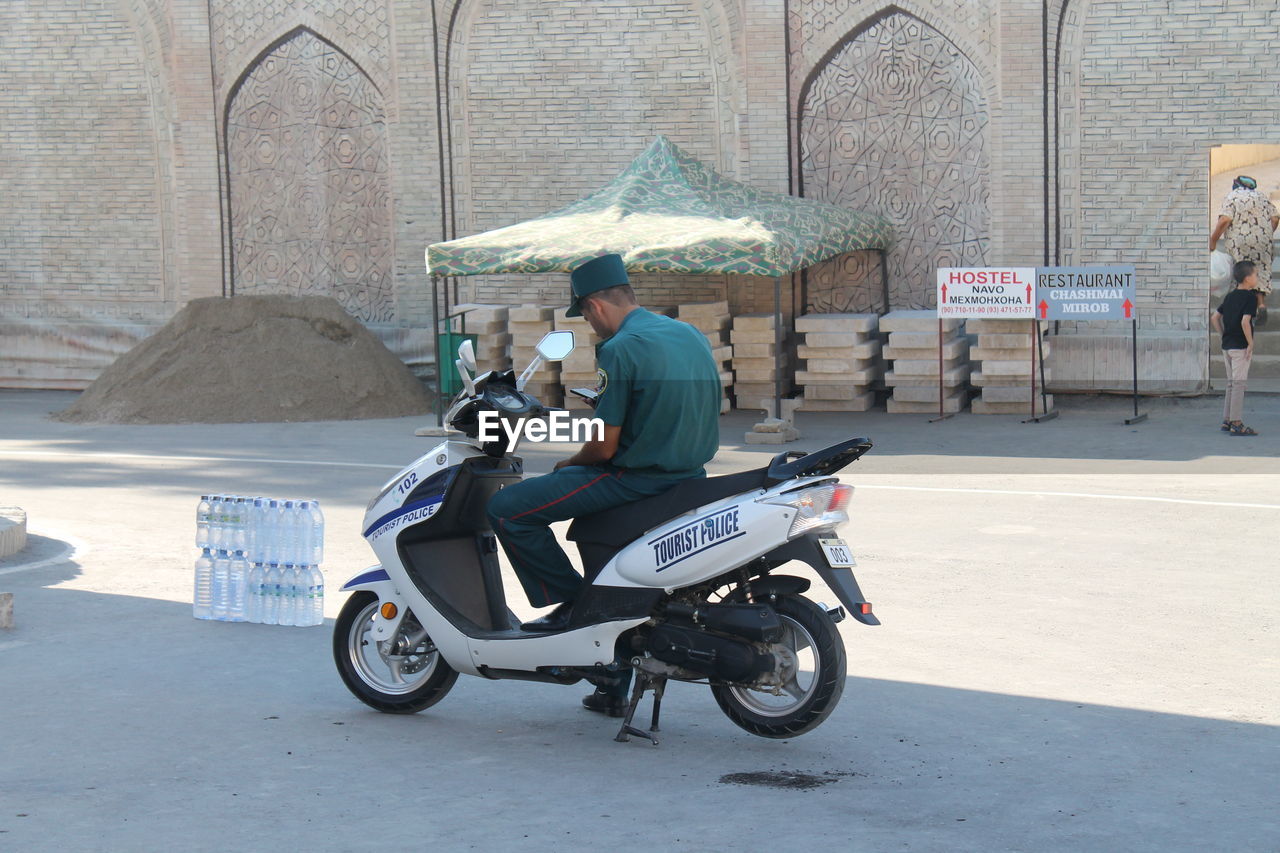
{"x": 711, "y": 655}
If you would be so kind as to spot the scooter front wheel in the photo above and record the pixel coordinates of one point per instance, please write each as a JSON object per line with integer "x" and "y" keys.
{"x": 402, "y": 675}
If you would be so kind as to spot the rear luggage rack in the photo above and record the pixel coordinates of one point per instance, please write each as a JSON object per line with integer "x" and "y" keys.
{"x": 820, "y": 463}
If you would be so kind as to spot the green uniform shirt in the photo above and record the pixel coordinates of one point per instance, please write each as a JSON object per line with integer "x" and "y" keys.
{"x": 659, "y": 383}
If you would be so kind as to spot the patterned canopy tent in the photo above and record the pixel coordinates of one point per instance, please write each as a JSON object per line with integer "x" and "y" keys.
{"x": 667, "y": 212}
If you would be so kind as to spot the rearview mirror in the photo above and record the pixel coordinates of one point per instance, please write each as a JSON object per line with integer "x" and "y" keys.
{"x": 556, "y": 345}
{"x": 467, "y": 355}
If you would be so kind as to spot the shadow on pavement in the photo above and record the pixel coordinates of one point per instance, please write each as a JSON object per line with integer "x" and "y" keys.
{"x": 129, "y": 725}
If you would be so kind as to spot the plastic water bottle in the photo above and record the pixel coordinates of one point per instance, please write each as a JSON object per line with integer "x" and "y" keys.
{"x": 256, "y": 592}
{"x": 315, "y": 597}
{"x": 221, "y": 585}
{"x": 289, "y": 599}
{"x": 238, "y": 524}
{"x": 253, "y": 536}
{"x": 289, "y": 533}
{"x": 237, "y": 580}
{"x": 202, "y": 601}
{"x": 272, "y": 598}
{"x": 271, "y": 532}
{"x": 313, "y": 519}
{"x": 202, "y": 522}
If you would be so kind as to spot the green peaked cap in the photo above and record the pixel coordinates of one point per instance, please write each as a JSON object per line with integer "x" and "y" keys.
{"x": 596, "y": 274}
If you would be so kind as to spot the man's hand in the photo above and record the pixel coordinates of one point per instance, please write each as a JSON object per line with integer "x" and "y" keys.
{"x": 595, "y": 452}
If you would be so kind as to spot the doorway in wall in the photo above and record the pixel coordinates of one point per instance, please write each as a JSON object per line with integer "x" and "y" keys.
{"x": 1262, "y": 163}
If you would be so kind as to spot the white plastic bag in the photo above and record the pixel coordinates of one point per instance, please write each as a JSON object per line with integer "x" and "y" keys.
{"x": 1220, "y": 264}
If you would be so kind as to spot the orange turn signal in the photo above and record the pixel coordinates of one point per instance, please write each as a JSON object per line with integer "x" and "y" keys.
{"x": 389, "y": 611}
{"x": 864, "y": 607}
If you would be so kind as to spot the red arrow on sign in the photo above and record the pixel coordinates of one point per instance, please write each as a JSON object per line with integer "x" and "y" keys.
{"x": 1128, "y": 309}
{"x": 944, "y": 293}
{"x": 1044, "y": 309}
{"x": 1029, "y": 302}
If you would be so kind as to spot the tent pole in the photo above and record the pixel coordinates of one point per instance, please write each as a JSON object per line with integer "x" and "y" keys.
{"x": 777, "y": 346}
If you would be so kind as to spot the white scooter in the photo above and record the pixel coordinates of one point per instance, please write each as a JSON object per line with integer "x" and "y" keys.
{"x": 679, "y": 586}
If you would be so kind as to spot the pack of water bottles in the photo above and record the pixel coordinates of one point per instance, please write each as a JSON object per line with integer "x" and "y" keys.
{"x": 259, "y": 561}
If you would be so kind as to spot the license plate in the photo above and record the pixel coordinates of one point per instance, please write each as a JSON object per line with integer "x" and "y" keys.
{"x": 837, "y": 553}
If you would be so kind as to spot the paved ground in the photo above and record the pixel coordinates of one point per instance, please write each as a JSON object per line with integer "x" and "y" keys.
{"x": 1079, "y": 652}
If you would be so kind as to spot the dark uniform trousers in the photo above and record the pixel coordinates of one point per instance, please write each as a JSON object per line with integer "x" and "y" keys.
{"x": 520, "y": 515}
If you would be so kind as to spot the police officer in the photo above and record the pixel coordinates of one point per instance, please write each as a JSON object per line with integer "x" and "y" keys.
{"x": 659, "y": 390}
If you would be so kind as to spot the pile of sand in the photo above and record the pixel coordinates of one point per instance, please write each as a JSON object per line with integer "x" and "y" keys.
{"x": 253, "y": 358}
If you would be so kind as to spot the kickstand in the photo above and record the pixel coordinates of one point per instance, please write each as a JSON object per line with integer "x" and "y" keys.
{"x": 643, "y": 683}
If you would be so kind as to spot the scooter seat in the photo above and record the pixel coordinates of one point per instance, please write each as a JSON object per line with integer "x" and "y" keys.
{"x": 618, "y": 526}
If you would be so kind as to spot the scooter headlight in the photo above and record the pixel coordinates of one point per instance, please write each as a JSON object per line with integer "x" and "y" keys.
{"x": 816, "y": 506}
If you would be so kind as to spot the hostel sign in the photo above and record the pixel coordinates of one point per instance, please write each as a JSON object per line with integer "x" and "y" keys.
{"x": 991, "y": 293}
{"x": 1085, "y": 293}
{"x": 1044, "y": 293}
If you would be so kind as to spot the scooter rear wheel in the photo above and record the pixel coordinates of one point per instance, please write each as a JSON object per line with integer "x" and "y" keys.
{"x": 814, "y": 690}
{"x": 399, "y": 676}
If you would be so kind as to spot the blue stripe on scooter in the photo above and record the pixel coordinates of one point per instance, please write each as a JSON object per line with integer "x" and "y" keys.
{"x": 404, "y": 510}
{"x": 368, "y": 577}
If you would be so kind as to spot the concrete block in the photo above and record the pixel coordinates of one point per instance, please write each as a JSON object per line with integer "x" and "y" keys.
{"x": 860, "y": 323}
{"x": 837, "y": 365}
{"x": 923, "y": 367}
{"x": 753, "y": 336}
{"x": 753, "y": 322}
{"x": 703, "y": 310}
{"x": 853, "y": 377}
{"x": 916, "y": 321}
{"x": 771, "y": 425}
{"x": 992, "y": 368}
{"x": 530, "y": 313}
{"x": 772, "y": 437}
{"x": 954, "y": 348}
{"x": 846, "y": 391}
{"x": 13, "y": 530}
{"x": 867, "y": 349}
{"x": 983, "y": 326}
{"x": 1005, "y": 341}
{"x": 951, "y": 377}
{"x": 918, "y": 340}
{"x": 6, "y": 610}
{"x": 1008, "y": 394}
{"x": 837, "y": 339}
{"x": 754, "y": 350}
{"x": 746, "y": 392}
{"x": 921, "y": 393}
{"x": 954, "y": 403}
{"x": 983, "y": 407}
{"x": 863, "y": 402}
{"x": 988, "y": 354}
{"x": 983, "y": 380}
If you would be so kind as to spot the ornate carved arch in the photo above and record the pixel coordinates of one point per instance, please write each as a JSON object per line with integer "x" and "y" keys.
{"x": 308, "y": 178}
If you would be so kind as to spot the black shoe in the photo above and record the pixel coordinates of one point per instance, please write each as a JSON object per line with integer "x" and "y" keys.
{"x": 556, "y": 620}
{"x": 605, "y": 703}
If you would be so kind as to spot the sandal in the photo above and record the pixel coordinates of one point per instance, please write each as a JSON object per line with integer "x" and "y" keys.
{"x": 1240, "y": 429}
{"x": 1226, "y": 426}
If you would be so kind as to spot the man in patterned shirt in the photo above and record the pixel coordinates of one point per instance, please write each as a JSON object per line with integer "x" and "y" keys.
{"x": 1245, "y": 225}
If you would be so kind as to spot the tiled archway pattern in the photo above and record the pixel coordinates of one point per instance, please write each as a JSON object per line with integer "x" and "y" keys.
{"x": 895, "y": 124}
{"x": 308, "y": 170}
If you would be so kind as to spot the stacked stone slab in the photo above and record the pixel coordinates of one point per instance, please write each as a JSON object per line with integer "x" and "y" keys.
{"x": 1008, "y": 375}
{"x": 579, "y": 369}
{"x": 755, "y": 359}
{"x": 713, "y": 320}
{"x": 913, "y": 364}
{"x": 528, "y": 324}
{"x": 493, "y": 341}
{"x": 841, "y": 354}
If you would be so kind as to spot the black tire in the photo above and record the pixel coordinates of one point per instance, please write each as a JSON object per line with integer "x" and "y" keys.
{"x": 379, "y": 680}
{"x": 757, "y": 712}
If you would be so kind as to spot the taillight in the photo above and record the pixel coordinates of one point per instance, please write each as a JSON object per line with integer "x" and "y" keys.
{"x": 817, "y": 506}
